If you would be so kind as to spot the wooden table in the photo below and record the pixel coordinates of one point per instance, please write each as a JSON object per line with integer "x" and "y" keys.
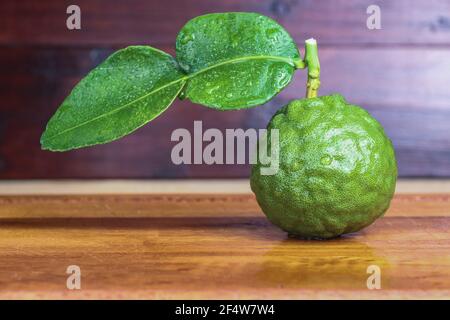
{"x": 185, "y": 243}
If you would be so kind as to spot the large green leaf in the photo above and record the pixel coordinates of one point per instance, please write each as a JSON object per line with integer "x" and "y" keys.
{"x": 130, "y": 88}
{"x": 235, "y": 60}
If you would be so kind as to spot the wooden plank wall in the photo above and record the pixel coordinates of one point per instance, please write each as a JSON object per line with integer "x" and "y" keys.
{"x": 401, "y": 74}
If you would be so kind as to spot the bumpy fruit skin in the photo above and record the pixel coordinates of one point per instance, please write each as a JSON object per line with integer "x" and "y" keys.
{"x": 337, "y": 169}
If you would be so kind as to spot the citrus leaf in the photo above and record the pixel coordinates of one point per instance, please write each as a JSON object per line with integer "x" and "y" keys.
{"x": 130, "y": 88}
{"x": 235, "y": 60}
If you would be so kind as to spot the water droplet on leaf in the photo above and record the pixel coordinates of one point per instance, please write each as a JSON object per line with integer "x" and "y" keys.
{"x": 271, "y": 32}
{"x": 186, "y": 38}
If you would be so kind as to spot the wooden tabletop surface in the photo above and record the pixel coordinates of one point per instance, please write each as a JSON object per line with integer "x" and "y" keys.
{"x": 215, "y": 245}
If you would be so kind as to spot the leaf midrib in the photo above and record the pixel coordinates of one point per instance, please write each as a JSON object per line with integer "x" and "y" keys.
{"x": 184, "y": 78}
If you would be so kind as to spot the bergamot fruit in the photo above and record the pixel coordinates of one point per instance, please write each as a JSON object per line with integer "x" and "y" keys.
{"x": 337, "y": 169}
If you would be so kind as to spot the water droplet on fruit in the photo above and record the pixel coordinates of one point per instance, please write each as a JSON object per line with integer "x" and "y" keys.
{"x": 326, "y": 160}
{"x": 295, "y": 166}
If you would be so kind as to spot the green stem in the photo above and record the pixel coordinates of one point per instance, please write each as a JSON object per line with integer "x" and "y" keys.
{"x": 299, "y": 64}
{"x": 313, "y": 65}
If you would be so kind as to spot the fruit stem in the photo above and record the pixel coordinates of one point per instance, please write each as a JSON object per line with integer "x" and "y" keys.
{"x": 313, "y": 65}
{"x": 299, "y": 64}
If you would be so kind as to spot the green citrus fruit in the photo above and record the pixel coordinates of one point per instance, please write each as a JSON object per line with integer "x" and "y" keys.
{"x": 337, "y": 169}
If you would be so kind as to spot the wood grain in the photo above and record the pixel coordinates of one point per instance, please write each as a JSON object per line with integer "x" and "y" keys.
{"x": 214, "y": 246}
{"x": 179, "y": 205}
{"x": 334, "y": 22}
{"x": 175, "y": 186}
{"x": 403, "y": 88}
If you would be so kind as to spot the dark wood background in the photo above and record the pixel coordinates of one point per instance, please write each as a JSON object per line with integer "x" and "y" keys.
{"x": 400, "y": 74}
